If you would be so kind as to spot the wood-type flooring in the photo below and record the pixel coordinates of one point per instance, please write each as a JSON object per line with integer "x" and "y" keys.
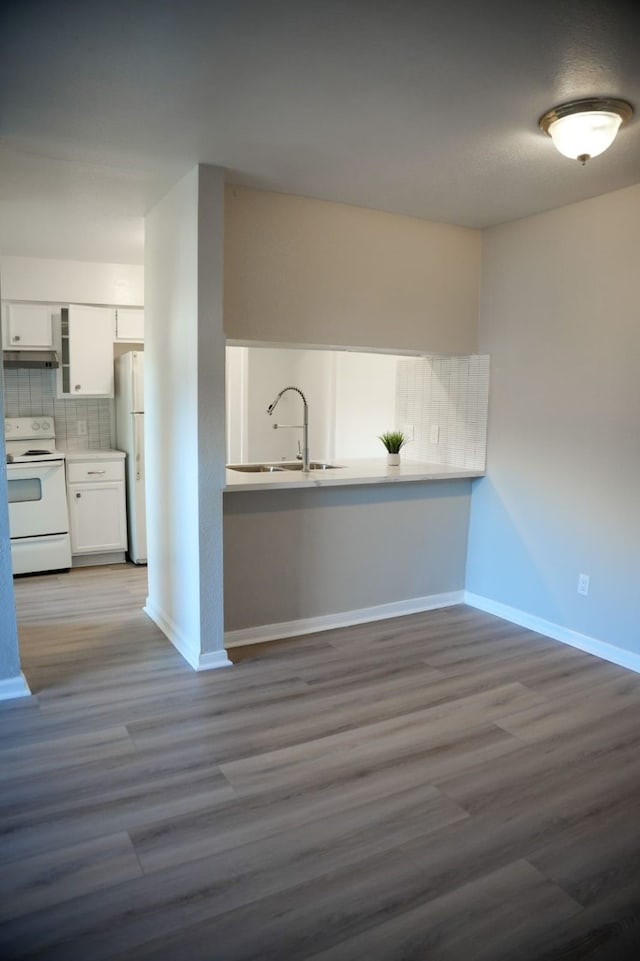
{"x": 439, "y": 787}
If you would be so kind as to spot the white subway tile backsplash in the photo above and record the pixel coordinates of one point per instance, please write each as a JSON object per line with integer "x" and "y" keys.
{"x": 28, "y": 392}
{"x": 451, "y": 394}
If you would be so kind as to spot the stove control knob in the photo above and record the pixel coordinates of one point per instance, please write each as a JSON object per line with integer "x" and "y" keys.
{"x": 45, "y": 425}
{"x": 35, "y": 425}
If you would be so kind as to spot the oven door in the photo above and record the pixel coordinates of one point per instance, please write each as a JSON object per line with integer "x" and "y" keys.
{"x": 37, "y": 499}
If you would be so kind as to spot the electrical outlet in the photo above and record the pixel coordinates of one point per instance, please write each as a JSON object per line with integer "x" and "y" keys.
{"x": 82, "y": 428}
{"x": 583, "y": 584}
{"x": 434, "y": 435}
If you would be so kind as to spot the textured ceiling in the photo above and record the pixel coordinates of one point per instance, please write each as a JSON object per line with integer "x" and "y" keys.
{"x": 422, "y": 108}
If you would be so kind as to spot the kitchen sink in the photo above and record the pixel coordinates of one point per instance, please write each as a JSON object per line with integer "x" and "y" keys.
{"x": 280, "y": 467}
{"x": 256, "y": 468}
{"x": 314, "y": 465}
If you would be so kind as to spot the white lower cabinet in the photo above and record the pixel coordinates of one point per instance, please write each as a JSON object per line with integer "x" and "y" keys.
{"x": 97, "y": 509}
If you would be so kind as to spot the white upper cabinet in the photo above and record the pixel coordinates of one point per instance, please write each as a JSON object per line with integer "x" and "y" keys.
{"x": 28, "y": 327}
{"x": 130, "y": 325}
{"x": 87, "y": 336}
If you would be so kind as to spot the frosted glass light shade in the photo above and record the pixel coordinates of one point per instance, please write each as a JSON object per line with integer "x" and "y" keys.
{"x": 585, "y": 128}
{"x": 585, "y": 134}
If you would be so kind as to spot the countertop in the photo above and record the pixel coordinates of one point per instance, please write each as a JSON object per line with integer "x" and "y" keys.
{"x": 84, "y": 455}
{"x": 350, "y": 472}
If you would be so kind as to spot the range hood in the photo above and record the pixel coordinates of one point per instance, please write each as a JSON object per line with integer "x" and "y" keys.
{"x": 43, "y": 359}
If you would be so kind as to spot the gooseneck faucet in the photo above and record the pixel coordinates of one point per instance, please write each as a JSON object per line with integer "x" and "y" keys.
{"x": 304, "y": 426}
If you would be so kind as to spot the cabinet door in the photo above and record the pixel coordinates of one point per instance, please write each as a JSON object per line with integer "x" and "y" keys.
{"x": 29, "y": 326}
{"x": 91, "y": 335}
{"x": 130, "y": 324}
{"x": 97, "y": 517}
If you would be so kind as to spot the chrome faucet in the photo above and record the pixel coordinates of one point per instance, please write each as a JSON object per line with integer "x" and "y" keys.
{"x": 304, "y": 426}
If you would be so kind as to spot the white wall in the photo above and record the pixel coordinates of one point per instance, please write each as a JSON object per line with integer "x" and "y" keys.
{"x": 236, "y": 362}
{"x": 255, "y": 375}
{"x": 268, "y": 372}
{"x": 303, "y": 271}
{"x": 71, "y": 281}
{"x": 184, "y": 401}
{"x": 560, "y": 319}
{"x": 365, "y": 403}
{"x": 351, "y": 397}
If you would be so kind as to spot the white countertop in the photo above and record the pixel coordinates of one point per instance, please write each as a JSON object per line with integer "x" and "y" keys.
{"x": 349, "y": 472}
{"x": 80, "y": 455}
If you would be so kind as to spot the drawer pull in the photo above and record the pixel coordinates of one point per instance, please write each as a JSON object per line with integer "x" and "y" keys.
{"x": 96, "y": 472}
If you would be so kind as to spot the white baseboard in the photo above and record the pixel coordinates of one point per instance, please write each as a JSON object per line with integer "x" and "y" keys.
{"x": 326, "y": 622}
{"x": 12, "y": 687}
{"x": 207, "y": 661}
{"x": 212, "y": 660}
{"x": 591, "y": 645}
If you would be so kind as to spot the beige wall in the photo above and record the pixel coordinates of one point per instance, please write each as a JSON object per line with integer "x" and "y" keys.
{"x": 560, "y": 316}
{"x": 313, "y": 272}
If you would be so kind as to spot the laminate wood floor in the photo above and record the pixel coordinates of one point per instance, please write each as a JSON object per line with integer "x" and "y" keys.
{"x": 439, "y": 787}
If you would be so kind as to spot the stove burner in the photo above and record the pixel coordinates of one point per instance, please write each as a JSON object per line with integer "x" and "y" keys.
{"x": 35, "y": 453}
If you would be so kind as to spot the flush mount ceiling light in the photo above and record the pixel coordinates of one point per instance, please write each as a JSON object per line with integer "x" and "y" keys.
{"x": 582, "y": 129}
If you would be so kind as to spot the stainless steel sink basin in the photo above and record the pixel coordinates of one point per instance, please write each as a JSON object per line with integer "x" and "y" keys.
{"x": 280, "y": 467}
{"x": 314, "y": 465}
{"x": 256, "y": 468}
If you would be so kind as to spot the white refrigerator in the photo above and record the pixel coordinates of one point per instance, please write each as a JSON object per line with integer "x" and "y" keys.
{"x": 129, "y": 397}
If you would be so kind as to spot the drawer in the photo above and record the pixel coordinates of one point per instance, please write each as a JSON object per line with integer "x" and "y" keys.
{"x": 95, "y": 470}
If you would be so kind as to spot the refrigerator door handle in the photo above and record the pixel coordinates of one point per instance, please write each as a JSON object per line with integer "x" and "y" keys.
{"x": 138, "y": 446}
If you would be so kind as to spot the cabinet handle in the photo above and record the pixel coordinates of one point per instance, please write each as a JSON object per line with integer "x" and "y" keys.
{"x": 78, "y": 495}
{"x": 78, "y": 386}
{"x": 96, "y": 472}
{"x": 16, "y": 337}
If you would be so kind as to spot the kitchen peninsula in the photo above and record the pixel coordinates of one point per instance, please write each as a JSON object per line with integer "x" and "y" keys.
{"x": 344, "y": 473}
{"x": 306, "y": 552}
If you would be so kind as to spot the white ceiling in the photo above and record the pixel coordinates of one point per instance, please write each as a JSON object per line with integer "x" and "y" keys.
{"x": 414, "y": 106}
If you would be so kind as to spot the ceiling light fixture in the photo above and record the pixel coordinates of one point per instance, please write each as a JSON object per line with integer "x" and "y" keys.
{"x": 582, "y": 129}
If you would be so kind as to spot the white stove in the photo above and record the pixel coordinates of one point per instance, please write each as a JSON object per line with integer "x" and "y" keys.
{"x": 38, "y": 512}
{"x": 30, "y": 440}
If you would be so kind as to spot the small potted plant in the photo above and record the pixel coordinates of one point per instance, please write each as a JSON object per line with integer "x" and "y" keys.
{"x": 394, "y": 441}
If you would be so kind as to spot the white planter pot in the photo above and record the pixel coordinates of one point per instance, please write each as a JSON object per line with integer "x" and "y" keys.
{"x": 393, "y": 460}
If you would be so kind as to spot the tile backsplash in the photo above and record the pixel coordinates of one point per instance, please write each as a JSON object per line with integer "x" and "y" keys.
{"x": 32, "y": 391}
{"x": 445, "y": 401}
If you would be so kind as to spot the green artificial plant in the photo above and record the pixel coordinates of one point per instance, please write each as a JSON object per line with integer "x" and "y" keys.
{"x": 393, "y": 440}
